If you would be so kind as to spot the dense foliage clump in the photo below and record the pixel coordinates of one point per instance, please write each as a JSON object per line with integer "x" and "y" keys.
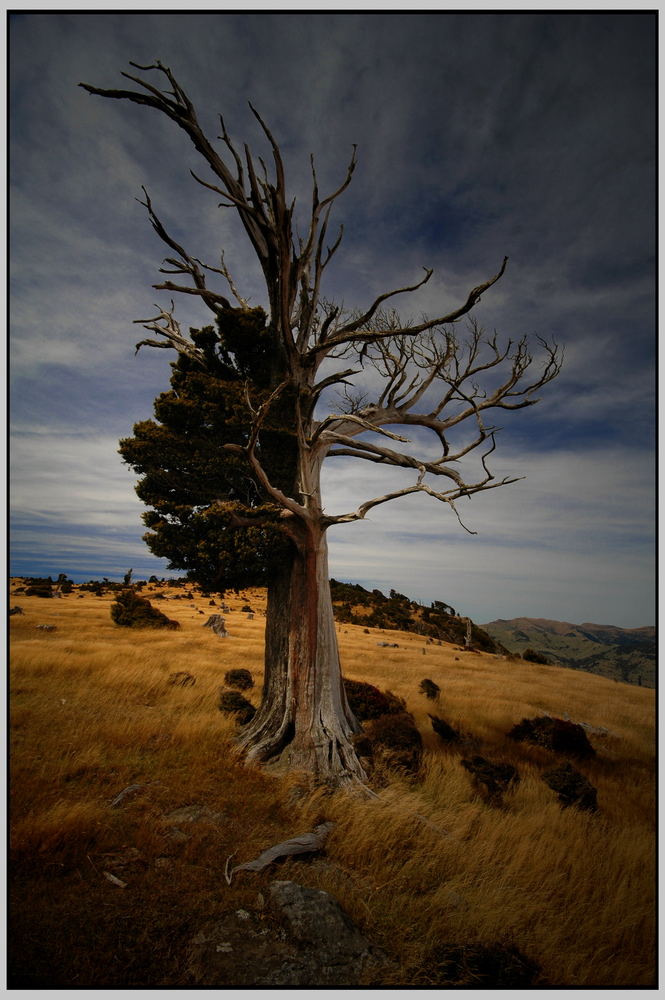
{"x": 396, "y": 739}
{"x": 367, "y": 702}
{"x": 202, "y": 499}
{"x": 492, "y": 966}
{"x": 239, "y": 678}
{"x": 233, "y": 703}
{"x": 132, "y": 611}
{"x": 559, "y": 735}
{"x": 534, "y": 657}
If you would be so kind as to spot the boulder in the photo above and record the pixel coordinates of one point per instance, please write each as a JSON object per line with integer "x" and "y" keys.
{"x": 305, "y": 940}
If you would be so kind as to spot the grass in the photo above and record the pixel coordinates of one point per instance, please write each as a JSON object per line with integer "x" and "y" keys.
{"x": 426, "y": 863}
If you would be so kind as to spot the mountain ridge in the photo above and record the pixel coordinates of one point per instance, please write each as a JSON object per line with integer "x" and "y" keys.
{"x": 619, "y": 653}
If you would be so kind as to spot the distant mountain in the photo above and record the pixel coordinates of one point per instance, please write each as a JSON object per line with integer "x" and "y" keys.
{"x": 623, "y": 654}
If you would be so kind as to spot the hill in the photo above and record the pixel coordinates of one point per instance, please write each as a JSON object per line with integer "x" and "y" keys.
{"x": 127, "y": 797}
{"x": 618, "y": 653}
{"x": 357, "y": 606}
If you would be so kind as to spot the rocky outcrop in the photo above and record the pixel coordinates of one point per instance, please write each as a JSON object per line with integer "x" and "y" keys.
{"x": 300, "y": 937}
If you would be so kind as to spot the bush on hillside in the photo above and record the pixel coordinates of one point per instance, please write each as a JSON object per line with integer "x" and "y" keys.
{"x": 558, "y": 735}
{"x": 396, "y": 740}
{"x": 233, "y": 703}
{"x": 239, "y": 678}
{"x": 367, "y": 702}
{"x": 132, "y": 611}
{"x": 492, "y": 966}
{"x": 533, "y": 657}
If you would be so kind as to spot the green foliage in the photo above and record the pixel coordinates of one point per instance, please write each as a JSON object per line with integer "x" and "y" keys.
{"x": 132, "y": 611}
{"x": 194, "y": 488}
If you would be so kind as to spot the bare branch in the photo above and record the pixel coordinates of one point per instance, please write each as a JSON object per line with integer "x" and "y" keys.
{"x": 353, "y": 333}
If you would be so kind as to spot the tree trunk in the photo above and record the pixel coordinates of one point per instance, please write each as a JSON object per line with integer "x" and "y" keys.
{"x": 304, "y": 719}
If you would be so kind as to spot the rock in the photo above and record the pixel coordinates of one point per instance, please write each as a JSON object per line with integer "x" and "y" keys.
{"x": 559, "y": 735}
{"x": 46, "y": 628}
{"x": 493, "y": 779}
{"x": 572, "y": 787}
{"x": 308, "y": 941}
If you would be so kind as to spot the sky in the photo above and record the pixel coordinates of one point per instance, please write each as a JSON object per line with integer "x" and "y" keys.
{"x": 480, "y": 135}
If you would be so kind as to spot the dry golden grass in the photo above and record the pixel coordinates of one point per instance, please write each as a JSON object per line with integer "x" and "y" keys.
{"x": 427, "y": 862}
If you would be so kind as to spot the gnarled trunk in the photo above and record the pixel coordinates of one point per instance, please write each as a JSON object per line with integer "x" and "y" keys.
{"x": 304, "y": 718}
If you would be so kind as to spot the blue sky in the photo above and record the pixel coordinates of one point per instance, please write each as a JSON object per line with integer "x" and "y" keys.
{"x": 479, "y": 136}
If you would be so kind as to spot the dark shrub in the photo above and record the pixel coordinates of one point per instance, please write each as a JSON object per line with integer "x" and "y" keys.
{"x": 444, "y": 730}
{"x": 246, "y": 608}
{"x": 492, "y": 779}
{"x": 233, "y": 703}
{"x": 367, "y": 702}
{"x": 558, "y": 735}
{"x": 397, "y": 740}
{"x": 132, "y": 611}
{"x": 40, "y": 588}
{"x": 480, "y": 965}
{"x": 241, "y": 679}
{"x": 429, "y": 689}
{"x": 572, "y": 787}
{"x": 533, "y": 657}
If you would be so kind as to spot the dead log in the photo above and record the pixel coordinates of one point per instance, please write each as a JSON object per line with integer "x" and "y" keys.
{"x": 306, "y": 843}
{"x": 218, "y": 625}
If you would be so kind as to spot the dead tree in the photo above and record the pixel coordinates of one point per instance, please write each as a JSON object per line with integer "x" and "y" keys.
{"x": 430, "y": 379}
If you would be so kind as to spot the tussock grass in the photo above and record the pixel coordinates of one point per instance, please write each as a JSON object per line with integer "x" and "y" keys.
{"x": 426, "y": 863}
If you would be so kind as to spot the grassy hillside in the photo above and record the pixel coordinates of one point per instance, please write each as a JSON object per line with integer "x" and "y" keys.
{"x": 426, "y": 863}
{"x": 621, "y": 654}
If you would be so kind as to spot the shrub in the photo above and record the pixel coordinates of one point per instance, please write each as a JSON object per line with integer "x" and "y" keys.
{"x": 132, "y": 611}
{"x": 533, "y": 657}
{"x": 493, "y": 779}
{"x": 558, "y": 735}
{"x": 367, "y": 702}
{"x": 240, "y": 678}
{"x": 572, "y": 788}
{"x": 429, "y": 689}
{"x": 480, "y": 965}
{"x": 233, "y": 703}
{"x": 444, "y": 730}
{"x": 397, "y": 740}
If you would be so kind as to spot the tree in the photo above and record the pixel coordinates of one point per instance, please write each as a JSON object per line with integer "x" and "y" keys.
{"x": 429, "y": 379}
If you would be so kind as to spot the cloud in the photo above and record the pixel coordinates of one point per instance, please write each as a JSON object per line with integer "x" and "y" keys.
{"x": 479, "y": 135}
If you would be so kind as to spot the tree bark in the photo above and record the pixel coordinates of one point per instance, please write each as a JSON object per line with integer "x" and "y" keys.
{"x": 304, "y": 719}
